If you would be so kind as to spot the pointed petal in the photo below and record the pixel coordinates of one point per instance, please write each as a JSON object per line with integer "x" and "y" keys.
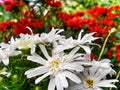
{"x": 32, "y": 49}
{"x": 44, "y": 51}
{"x": 58, "y": 84}
{"x": 36, "y": 71}
{"x": 80, "y": 35}
{"x": 63, "y": 80}
{"x": 74, "y": 66}
{"x": 72, "y": 77}
{"x": 86, "y": 48}
{"x": 39, "y": 79}
{"x": 37, "y": 58}
{"x": 51, "y": 85}
{"x": 73, "y": 51}
{"x": 88, "y": 38}
{"x": 5, "y": 61}
{"x": 107, "y": 83}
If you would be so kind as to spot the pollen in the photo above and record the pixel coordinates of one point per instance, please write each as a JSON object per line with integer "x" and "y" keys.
{"x": 89, "y": 83}
{"x": 26, "y": 44}
{"x": 54, "y": 64}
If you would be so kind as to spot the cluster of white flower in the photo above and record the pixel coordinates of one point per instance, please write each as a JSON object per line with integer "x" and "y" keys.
{"x": 67, "y": 64}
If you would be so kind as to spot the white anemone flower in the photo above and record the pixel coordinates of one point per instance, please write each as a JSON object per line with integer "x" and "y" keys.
{"x": 94, "y": 78}
{"x": 82, "y": 42}
{"x": 58, "y": 66}
{"x": 104, "y": 64}
{"x": 5, "y": 53}
{"x": 27, "y": 41}
{"x": 52, "y": 36}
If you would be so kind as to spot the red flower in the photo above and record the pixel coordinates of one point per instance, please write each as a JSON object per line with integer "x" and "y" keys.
{"x": 110, "y": 53}
{"x": 77, "y": 22}
{"x": 11, "y": 5}
{"x": 38, "y": 23}
{"x": 108, "y": 21}
{"x": 98, "y": 11}
{"x": 54, "y": 3}
{"x": 6, "y": 26}
{"x": 116, "y": 7}
{"x": 64, "y": 16}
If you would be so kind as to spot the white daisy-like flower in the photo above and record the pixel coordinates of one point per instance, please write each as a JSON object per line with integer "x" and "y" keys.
{"x": 82, "y": 42}
{"x": 26, "y": 41}
{"x": 52, "y": 36}
{"x": 4, "y": 72}
{"x": 94, "y": 78}
{"x": 58, "y": 66}
{"x": 5, "y": 53}
{"x": 104, "y": 64}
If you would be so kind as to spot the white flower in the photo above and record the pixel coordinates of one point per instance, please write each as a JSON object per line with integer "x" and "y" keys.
{"x": 104, "y": 64}
{"x": 82, "y": 42}
{"x": 4, "y": 72}
{"x": 26, "y": 41}
{"x": 59, "y": 67}
{"x": 5, "y": 53}
{"x": 94, "y": 78}
{"x": 52, "y": 36}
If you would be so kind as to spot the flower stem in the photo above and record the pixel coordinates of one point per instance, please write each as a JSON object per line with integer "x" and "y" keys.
{"x": 104, "y": 45}
{"x": 116, "y": 79}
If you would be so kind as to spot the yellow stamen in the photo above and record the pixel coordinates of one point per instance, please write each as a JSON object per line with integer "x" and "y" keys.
{"x": 54, "y": 64}
{"x": 89, "y": 83}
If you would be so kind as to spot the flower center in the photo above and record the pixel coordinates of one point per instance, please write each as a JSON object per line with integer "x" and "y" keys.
{"x": 26, "y": 44}
{"x": 76, "y": 43}
{"x": 89, "y": 83}
{"x": 54, "y": 64}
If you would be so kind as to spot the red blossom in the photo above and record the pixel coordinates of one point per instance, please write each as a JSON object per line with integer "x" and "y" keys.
{"x": 63, "y": 15}
{"x": 110, "y": 53}
{"x": 20, "y": 26}
{"x": 6, "y": 26}
{"x": 76, "y": 22}
{"x": 116, "y": 7}
{"x": 11, "y": 5}
{"x": 98, "y": 11}
{"x": 54, "y": 3}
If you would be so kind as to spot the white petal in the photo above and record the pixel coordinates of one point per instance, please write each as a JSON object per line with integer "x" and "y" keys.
{"x": 32, "y": 49}
{"x": 72, "y": 77}
{"x": 14, "y": 53}
{"x": 37, "y": 58}
{"x": 59, "y": 31}
{"x": 74, "y": 66}
{"x": 58, "y": 84}
{"x": 86, "y": 48}
{"x": 103, "y": 74}
{"x": 80, "y": 35}
{"x": 63, "y": 80}
{"x": 36, "y": 71}
{"x": 73, "y": 51}
{"x": 42, "y": 77}
{"x": 75, "y": 87}
{"x": 107, "y": 83}
{"x": 5, "y": 61}
{"x": 88, "y": 38}
{"x": 43, "y": 49}
{"x": 51, "y": 85}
